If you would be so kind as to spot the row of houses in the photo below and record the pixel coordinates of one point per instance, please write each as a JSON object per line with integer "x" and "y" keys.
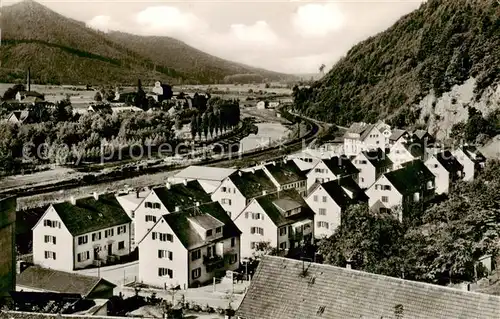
{"x": 204, "y": 220}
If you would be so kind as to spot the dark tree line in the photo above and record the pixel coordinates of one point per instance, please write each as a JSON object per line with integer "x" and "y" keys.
{"x": 220, "y": 116}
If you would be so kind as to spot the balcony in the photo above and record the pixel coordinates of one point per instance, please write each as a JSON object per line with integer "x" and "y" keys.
{"x": 213, "y": 263}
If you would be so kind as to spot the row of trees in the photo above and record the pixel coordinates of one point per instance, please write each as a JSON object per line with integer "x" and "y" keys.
{"x": 220, "y": 116}
{"x": 443, "y": 244}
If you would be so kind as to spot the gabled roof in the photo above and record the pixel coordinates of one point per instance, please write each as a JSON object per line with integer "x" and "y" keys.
{"x": 205, "y": 173}
{"x": 286, "y": 173}
{"x": 341, "y": 166}
{"x": 280, "y": 289}
{"x": 397, "y": 134}
{"x": 416, "y": 149}
{"x": 413, "y": 176}
{"x": 361, "y": 128}
{"x": 449, "y": 162}
{"x": 59, "y": 281}
{"x": 378, "y": 158}
{"x": 188, "y": 235}
{"x": 268, "y": 204}
{"x": 89, "y": 215}
{"x": 473, "y": 153}
{"x": 336, "y": 192}
{"x": 350, "y": 184}
{"x": 421, "y": 134}
{"x": 182, "y": 196}
{"x": 252, "y": 184}
{"x": 21, "y": 116}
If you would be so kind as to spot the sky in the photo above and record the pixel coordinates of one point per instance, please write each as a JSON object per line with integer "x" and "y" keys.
{"x": 290, "y": 36}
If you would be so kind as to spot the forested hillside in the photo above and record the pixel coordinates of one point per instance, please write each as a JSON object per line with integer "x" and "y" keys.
{"x": 441, "y": 44}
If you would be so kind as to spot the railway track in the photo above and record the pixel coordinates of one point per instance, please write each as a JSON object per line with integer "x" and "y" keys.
{"x": 229, "y": 160}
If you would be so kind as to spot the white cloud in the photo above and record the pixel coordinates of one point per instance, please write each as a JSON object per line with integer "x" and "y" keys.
{"x": 259, "y": 33}
{"x": 317, "y": 20}
{"x": 168, "y": 20}
{"x": 103, "y": 23}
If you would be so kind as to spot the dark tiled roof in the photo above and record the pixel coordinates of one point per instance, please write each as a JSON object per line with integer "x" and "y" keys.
{"x": 350, "y": 184}
{"x": 182, "y": 196}
{"x": 473, "y": 153}
{"x": 268, "y": 205}
{"x": 363, "y": 129}
{"x": 411, "y": 177}
{"x": 378, "y": 158}
{"x": 187, "y": 234}
{"x": 286, "y": 173}
{"x": 341, "y": 166}
{"x": 396, "y": 134}
{"x": 280, "y": 289}
{"x": 415, "y": 148}
{"x": 449, "y": 162}
{"x": 252, "y": 184}
{"x": 421, "y": 134}
{"x": 59, "y": 281}
{"x": 336, "y": 192}
{"x": 89, "y": 215}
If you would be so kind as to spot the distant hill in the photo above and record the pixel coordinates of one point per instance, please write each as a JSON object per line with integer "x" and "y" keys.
{"x": 420, "y": 60}
{"x": 62, "y": 50}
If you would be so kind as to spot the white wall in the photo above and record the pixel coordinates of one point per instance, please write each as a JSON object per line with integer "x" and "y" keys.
{"x": 238, "y": 201}
{"x": 313, "y": 175}
{"x": 442, "y": 175}
{"x": 393, "y": 196}
{"x": 467, "y": 163}
{"x": 103, "y": 243}
{"x": 141, "y": 226}
{"x": 367, "y": 172}
{"x": 149, "y": 261}
{"x": 399, "y": 154}
{"x": 333, "y": 212}
{"x": 63, "y": 247}
{"x": 374, "y": 139}
{"x": 245, "y": 224}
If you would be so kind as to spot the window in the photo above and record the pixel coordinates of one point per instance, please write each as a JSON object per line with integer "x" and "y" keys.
{"x": 252, "y": 245}
{"x": 386, "y": 187}
{"x": 315, "y": 198}
{"x": 324, "y": 199}
{"x": 282, "y": 231}
{"x": 121, "y": 230}
{"x": 322, "y": 211}
{"x": 385, "y": 199}
{"x": 283, "y": 245}
{"x": 233, "y": 258}
{"x": 224, "y": 189}
{"x": 154, "y": 235}
{"x": 436, "y": 165}
{"x": 170, "y": 238}
{"x": 50, "y": 255}
{"x": 246, "y": 215}
{"x": 109, "y": 233}
{"x": 96, "y": 236}
{"x": 162, "y": 272}
{"x": 51, "y": 223}
{"x": 196, "y": 273}
{"x": 165, "y": 254}
{"x": 82, "y": 240}
{"x": 226, "y": 201}
{"x": 148, "y": 205}
{"x": 121, "y": 245}
{"x": 322, "y": 225}
{"x": 218, "y": 230}
{"x": 83, "y": 256}
{"x": 209, "y": 233}
{"x": 156, "y": 206}
{"x": 195, "y": 255}
{"x": 233, "y": 242}
{"x": 257, "y": 230}
{"x": 50, "y": 239}
{"x": 362, "y": 179}
{"x": 150, "y": 218}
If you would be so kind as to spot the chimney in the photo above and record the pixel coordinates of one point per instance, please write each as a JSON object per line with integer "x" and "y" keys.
{"x": 96, "y": 196}
{"x": 168, "y": 185}
{"x": 240, "y": 173}
{"x": 185, "y": 182}
{"x": 137, "y": 193}
{"x": 72, "y": 200}
{"x": 28, "y": 80}
{"x": 348, "y": 266}
{"x": 177, "y": 208}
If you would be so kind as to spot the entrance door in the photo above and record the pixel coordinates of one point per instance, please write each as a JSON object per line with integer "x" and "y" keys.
{"x": 110, "y": 249}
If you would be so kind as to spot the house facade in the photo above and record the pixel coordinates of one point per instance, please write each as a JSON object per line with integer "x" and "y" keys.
{"x": 166, "y": 199}
{"x": 447, "y": 170}
{"x": 331, "y": 169}
{"x": 280, "y": 220}
{"x": 402, "y": 189}
{"x": 81, "y": 233}
{"x": 362, "y": 136}
{"x": 471, "y": 159}
{"x": 371, "y": 165}
{"x": 189, "y": 248}
{"x": 286, "y": 175}
{"x": 404, "y": 151}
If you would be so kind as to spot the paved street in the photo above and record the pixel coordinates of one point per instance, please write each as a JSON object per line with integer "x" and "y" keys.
{"x": 117, "y": 274}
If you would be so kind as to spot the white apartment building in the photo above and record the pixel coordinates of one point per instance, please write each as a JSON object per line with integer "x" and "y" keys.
{"x": 331, "y": 169}
{"x": 190, "y": 247}
{"x": 80, "y": 233}
{"x": 281, "y": 220}
{"x": 164, "y": 200}
{"x": 371, "y": 165}
{"x": 362, "y": 136}
{"x": 447, "y": 170}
